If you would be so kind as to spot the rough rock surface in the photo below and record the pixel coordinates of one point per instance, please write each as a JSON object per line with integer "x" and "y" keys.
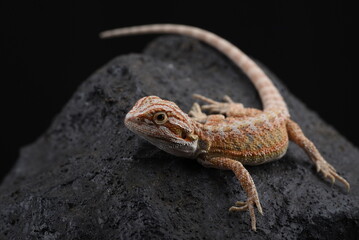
{"x": 88, "y": 177}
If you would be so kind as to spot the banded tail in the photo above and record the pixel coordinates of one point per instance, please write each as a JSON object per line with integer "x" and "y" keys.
{"x": 269, "y": 94}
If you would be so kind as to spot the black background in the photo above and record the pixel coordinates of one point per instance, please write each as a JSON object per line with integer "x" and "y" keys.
{"x": 49, "y": 49}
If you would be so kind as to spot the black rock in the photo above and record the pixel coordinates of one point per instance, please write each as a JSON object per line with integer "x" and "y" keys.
{"x": 88, "y": 177}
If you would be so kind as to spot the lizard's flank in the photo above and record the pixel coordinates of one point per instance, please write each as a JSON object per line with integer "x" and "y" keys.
{"x": 232, "y": 135}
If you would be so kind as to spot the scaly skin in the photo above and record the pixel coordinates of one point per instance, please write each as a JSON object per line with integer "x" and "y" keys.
{"x": 233, "y": 137}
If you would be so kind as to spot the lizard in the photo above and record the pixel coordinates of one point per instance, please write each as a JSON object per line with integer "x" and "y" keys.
{"x": 231, "y": 135}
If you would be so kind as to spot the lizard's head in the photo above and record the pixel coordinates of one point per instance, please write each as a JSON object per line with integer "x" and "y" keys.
{"x": 163, "y": 124}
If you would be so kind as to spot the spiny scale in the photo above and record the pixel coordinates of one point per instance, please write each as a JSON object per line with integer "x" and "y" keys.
{"x": 232, "y": 137}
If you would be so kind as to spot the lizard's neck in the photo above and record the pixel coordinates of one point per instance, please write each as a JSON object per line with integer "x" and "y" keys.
{"x": 202, "y": 142}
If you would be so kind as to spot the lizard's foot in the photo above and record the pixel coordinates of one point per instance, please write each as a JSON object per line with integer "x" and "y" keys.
{"x": 330, "y": 172}
{"x": 196, "y": 113}
{"x": 220, "y": 107}
{"x": 249, "y": 205}
{"x": 296, "y": 135}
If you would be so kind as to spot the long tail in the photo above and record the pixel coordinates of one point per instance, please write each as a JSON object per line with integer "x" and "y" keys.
{"x": 269, "y": 94}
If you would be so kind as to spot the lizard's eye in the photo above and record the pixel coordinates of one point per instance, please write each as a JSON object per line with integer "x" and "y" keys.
{"x": 160, "y": 118}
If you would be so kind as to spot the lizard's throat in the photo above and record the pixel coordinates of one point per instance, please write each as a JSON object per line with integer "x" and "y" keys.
{"x": 179, "y": 148}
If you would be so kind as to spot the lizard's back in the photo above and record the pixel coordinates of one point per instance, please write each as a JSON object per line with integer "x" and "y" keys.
{"x": 250, "y": 140}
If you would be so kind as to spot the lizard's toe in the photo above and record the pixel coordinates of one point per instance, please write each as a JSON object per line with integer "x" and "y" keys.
{"x": 248, "y": 205}
{"x": 329, "y": 172}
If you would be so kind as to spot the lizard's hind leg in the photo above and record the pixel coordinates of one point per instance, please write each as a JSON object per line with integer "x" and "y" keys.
{"x": 296, "y": 135}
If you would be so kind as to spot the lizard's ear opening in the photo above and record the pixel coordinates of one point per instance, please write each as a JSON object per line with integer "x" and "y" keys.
{"x": 183, "y": 135}
{"x": 188, "y": 136}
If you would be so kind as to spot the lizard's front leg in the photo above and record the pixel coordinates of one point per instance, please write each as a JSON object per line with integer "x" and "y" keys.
{"x": 296, "y": 135}
{"x": 246, "y": 182}
{"x": 228, "y": 107}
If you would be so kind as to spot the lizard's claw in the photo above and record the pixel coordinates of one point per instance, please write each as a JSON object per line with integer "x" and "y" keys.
{"x": 248, "y": 205}
{"x": 330, "y": 172}
{"x": 203, "y": 98}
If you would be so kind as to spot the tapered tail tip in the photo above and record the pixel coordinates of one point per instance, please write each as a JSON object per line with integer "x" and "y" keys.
{"x": 104, "y": 34}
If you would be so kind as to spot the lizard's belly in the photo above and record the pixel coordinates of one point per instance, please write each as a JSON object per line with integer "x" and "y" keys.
{"x": 251, "y": 144}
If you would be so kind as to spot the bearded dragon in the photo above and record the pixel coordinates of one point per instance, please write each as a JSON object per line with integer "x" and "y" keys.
{"x": 232, "y": 137}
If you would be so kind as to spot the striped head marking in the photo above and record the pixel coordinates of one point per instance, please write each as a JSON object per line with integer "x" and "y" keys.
{"x": 163, "y": 124}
